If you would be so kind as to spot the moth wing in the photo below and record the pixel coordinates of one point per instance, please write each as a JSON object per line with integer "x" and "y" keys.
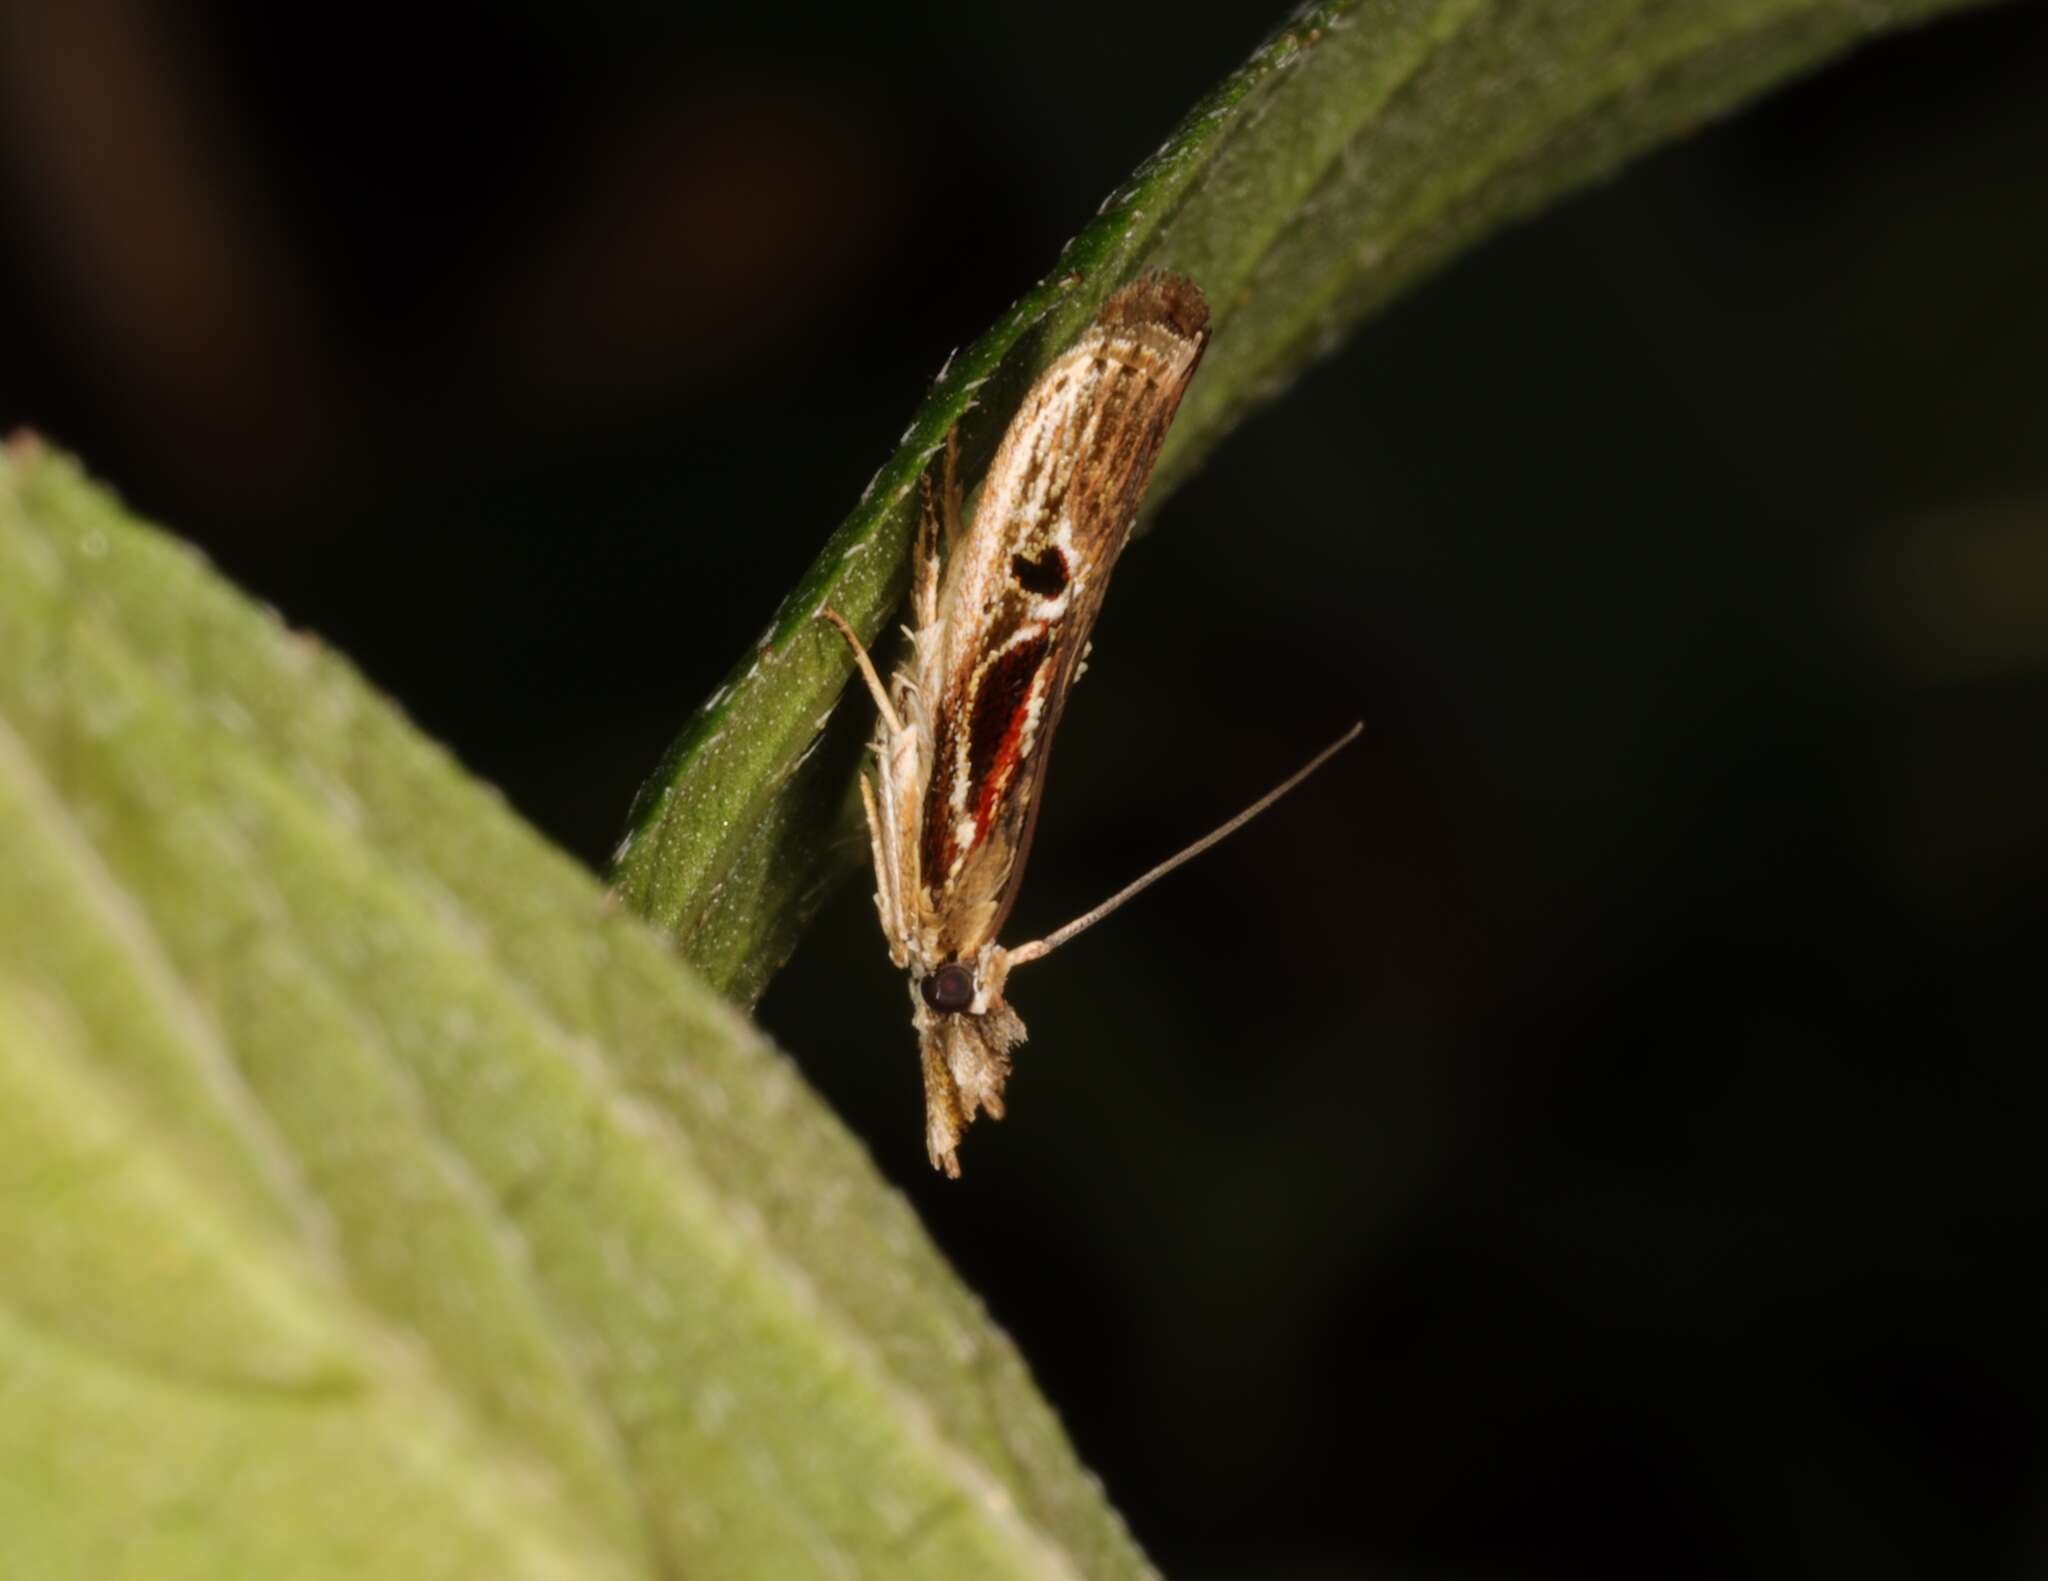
{"x": 1024, "y": 585}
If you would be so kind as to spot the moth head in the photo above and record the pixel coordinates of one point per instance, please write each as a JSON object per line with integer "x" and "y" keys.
{"x": 951, "y": 989}
{"x": 973, "y": 987}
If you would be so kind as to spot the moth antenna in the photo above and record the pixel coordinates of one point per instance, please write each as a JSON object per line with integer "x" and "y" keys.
{"x": 1052, "y": 941}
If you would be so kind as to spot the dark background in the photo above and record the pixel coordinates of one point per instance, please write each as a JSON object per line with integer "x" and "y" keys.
{"x": 1590, "y": 1131}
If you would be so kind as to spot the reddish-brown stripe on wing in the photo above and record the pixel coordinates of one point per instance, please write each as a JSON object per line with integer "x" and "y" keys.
{"x": 1003, "y": 713}
{"x": 1006, "y": 699}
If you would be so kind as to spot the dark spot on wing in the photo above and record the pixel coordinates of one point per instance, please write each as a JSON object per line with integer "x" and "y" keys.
{"x": 1043, "y": 575}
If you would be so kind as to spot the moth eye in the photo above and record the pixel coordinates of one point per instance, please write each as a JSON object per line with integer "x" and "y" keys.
{"x": 949, "y": 990}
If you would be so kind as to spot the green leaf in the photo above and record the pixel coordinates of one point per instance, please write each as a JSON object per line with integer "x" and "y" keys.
{"x": 1361, "y": 146}
{"x": 376, "y": 1198}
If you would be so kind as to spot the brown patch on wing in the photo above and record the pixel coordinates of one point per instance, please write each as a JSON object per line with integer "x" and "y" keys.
{"x": 998, "y": 741}
{"x": 1156, "y": 298}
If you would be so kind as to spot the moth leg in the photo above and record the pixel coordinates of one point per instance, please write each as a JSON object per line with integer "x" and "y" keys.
{"x": 938, "y": 521}
{"x": 952, "y": 488}
{"x": 888, "y": 900}
{"x": 924, "y": 571}
{"x": 900, "y": 788}
{"x": 867, "y": 669}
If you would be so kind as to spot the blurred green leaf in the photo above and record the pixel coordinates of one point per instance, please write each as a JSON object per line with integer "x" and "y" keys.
{"x": 1361, "y": 146}
{"x": 377, "y": 1200}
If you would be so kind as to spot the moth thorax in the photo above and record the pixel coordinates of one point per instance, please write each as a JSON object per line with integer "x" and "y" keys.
{"x": 950, "y": 989}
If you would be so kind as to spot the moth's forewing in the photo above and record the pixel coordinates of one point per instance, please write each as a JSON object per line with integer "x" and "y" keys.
{"x": 1022, "y": 589}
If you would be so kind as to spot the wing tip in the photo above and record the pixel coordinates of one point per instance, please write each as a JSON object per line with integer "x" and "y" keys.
{"x": 1160, "y": 297}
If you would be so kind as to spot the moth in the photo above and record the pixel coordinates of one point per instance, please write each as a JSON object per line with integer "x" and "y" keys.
{"x": 1001, "y": 613}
